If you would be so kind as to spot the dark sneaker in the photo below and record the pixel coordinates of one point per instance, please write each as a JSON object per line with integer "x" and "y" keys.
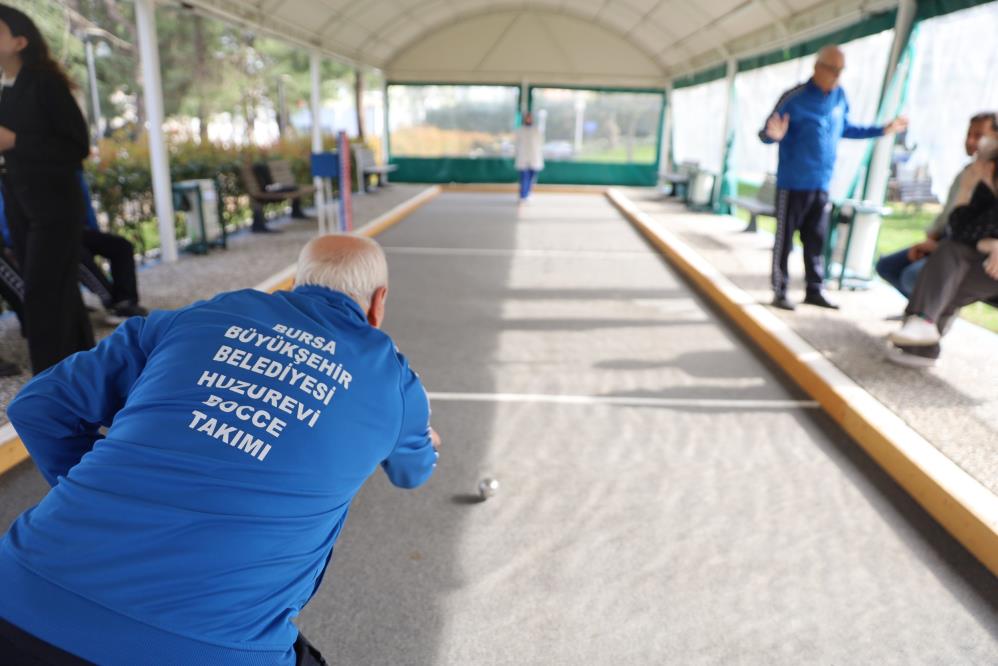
{"x": 8, "y": 369}
{"x": 818, "y": 299}
{"x": 782, "y": 302}
{"x": 910, "y": 356}
{"x": 122, "y": 311}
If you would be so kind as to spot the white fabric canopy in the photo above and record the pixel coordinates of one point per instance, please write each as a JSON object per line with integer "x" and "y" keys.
{"x": 698, "y": 124}
{"x": 588, "y": 41}
{"x": 955, "y": 77}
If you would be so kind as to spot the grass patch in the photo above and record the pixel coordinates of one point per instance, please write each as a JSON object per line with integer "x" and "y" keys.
{"x": 903, "y": 228}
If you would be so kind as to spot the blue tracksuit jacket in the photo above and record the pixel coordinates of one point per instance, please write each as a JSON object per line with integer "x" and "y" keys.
{"x": 197, "y": 527}
{"x": 817, "y": 121}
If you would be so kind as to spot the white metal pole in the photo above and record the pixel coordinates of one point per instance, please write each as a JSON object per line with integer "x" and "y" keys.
{"x": 729, "y": 106}
{"x": 729, "y": 122}
{"x": 880, "y": 162}
{"x": 320, "y": 199}
{"x": 665, "y": 161}
{"x": 152, "y": 87}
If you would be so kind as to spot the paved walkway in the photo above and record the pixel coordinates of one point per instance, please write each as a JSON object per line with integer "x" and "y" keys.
{"x": 953, "y": 405}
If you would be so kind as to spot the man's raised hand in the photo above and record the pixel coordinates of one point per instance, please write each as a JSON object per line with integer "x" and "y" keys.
{"x": 777, "y": 126}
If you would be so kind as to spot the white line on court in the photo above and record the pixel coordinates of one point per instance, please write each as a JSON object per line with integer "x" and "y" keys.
{"x": 490, "y": 252}
{"x": 623, "y": 401}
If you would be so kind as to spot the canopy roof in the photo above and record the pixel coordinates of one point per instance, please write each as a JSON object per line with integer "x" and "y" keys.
{"x": 600, "y": 42}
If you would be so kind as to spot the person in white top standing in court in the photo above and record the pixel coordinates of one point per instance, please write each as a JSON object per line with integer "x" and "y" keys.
{"x": 529, "y": 155}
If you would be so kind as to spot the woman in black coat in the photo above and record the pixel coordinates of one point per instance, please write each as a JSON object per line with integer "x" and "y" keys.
{"x": 43, "y": 142}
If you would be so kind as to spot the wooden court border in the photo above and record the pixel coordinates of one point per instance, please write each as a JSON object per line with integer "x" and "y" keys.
{"x": 12, "y": 451}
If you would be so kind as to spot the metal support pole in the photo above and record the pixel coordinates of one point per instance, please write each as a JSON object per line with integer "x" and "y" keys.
{"x": 145, "y": 20}
{"x": 320, "y": 199}
{"x": 880, "y": 163}
{"x": 665, "y": 164}
{"x": 724, "y": 186}
{"x": 386, "y": 148}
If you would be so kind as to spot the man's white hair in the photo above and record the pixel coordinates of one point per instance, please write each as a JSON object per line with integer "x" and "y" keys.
{"x": 354, "y": 265}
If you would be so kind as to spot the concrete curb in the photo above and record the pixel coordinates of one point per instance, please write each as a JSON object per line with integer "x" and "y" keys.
{"x": 12, "y": 451}
{"x": 961, "y": 504}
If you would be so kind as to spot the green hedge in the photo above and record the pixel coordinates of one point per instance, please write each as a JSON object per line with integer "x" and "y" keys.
{"x": 121, "y": 182}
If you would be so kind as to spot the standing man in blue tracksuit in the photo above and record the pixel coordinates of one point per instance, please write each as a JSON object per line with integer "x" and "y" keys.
{"x": 238, "y": 431}
{"x": 808, "y": 122}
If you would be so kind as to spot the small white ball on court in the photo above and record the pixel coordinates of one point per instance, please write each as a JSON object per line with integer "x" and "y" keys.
{"x": 487, "y": 487}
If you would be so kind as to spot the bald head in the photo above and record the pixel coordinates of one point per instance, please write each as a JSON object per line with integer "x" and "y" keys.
{"x": 828, "y": 67}
{"x": 353, "y": 265}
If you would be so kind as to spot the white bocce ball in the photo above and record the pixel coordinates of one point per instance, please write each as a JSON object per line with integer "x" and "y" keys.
{"x": 487, "y": 488}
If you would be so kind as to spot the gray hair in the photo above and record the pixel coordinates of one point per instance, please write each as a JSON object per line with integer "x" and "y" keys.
{"x": 354, "y": 265}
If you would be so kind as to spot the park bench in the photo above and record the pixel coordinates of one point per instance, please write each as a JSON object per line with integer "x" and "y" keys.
{"x": 271, "y": 182}
{"x": 913, "y": 192}
{"x": 367, "y": 167}
{"x": 763, "y": 203}
{"x": 679, "y": 180}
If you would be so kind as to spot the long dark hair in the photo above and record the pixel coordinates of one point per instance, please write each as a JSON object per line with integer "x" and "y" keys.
{"x": 36, "y": 54}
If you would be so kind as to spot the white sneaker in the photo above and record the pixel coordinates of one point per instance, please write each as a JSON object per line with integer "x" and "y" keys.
{"x": 913, "y": 357}
{"x": 916, "y": 332}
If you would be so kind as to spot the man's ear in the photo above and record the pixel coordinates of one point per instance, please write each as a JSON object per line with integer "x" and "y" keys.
{"x": 376, "y": 312}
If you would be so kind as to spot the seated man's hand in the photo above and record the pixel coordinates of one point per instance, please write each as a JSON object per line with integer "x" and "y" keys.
{"x": 435, "y": 438}
{"x": 990, "y": 247}
{"x": 7, "y": 139}
{"x": 921, "y": 250}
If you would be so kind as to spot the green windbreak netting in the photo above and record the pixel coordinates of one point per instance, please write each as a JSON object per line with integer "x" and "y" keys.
{"x": 698, "y": 124}
{"x": 757, "y": 91}
{"x": 955, "y": 76}
{"x": 452, "y": 121}
{"x": 598, "y": 126}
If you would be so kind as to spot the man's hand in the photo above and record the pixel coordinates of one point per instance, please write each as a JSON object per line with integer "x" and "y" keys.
{"x": 922, "y": 250}
{"x": 7, "y": 139}
{"x": 989, "y": 246}
{"x": 777, "y": 126}
{"x": 899, "y": 124}
{"x": 435, "y": 438}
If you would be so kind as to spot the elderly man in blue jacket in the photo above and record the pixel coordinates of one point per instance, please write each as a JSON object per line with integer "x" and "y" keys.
{"x": 808, "y": 122}
{"x": 238, "y": 430}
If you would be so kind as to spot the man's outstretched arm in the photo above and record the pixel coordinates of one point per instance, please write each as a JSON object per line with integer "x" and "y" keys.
{"x": 58, "y": 414}
{"x": 415, "y": 455}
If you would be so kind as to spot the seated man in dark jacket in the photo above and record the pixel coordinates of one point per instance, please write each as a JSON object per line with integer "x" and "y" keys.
{"x": 962, "y": 270}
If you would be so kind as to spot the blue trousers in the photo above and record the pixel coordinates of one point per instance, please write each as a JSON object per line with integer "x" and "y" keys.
{"x": 527, "y": 178}
{"x": 899, "y": 271}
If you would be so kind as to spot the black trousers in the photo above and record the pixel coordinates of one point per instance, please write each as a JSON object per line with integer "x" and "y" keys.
{"x": 120, "y": 254}
{"x": 45, "y": 214}
{"x": 804, "y": 211}
{"x": 12, "y": 285}
{"x": 19, "y": 648}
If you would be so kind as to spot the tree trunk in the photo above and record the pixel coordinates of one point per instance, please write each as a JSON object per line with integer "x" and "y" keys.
{"x": 200, "y": 58}
{"x": 358, "y": 96}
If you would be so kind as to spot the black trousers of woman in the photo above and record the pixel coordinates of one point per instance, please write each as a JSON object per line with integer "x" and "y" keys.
{"x": 45, "y": 214}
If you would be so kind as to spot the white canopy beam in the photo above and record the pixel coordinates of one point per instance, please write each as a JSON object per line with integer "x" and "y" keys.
{"x": 152, "y": 88}
{"x": 880, "y": 163}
